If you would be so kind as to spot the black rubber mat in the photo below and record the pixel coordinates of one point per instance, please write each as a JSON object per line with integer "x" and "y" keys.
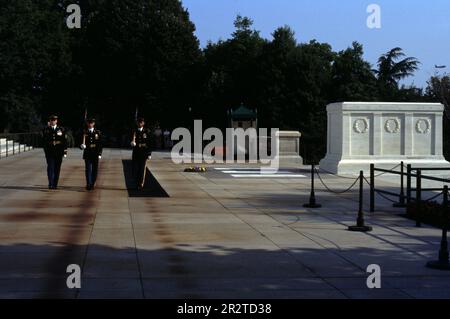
{"x": 152, "y": 188}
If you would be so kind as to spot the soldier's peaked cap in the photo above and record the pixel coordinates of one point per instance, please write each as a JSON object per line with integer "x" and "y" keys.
{"x": 53, "y": 117}
{"x": 90, "y": 120}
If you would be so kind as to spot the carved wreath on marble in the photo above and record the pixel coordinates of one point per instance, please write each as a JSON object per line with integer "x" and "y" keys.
{"x": 361, "y": 126}
{"x": 392, "y": 126}
{"x": 423, "y": 126}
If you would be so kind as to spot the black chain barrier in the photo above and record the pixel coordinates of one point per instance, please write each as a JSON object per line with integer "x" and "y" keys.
{"x": 393, "y": 201}
{"x": 384, "y": 173}
{"x": 339, "y": 176}
{"x": 432, "y": 198}
{"x": 385, "y": 197}
{"x": 360, "y": 222}
{"x": 403, "y": 199}
{"x": 443, "y": 263}
{"x": 333, "y": 191}
{"x": 312, "y": 197}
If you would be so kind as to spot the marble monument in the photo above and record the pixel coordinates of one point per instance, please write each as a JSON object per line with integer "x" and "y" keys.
{"x": 361, "y": 133}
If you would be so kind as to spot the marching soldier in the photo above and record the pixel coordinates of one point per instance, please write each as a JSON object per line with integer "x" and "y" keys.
{"x": 93, "y": 148}
{"x": 55, "y": 148}
{"x": 141, "y": 152}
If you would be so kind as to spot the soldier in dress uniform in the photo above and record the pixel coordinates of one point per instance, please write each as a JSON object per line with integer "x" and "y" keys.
{"x": 141, "y": 152}
{"x": 55, "y": 148}
{"x": 92, "y": 146}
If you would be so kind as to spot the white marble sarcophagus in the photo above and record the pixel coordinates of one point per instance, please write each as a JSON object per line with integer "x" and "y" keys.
{"x": 384, "y": 134}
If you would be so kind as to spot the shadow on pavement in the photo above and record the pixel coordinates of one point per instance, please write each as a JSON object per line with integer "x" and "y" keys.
{"x": 152, "y": 188}
{"x": 213, "y": 271}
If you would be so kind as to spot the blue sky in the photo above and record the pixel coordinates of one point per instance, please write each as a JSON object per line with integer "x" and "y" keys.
{"x": 421, "y": 28}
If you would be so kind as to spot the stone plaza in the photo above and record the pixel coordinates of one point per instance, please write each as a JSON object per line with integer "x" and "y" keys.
{"x": 226, "y": 233}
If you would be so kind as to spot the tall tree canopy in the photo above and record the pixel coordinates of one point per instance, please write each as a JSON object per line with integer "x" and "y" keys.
{"x": 129, "y": 54}
{"x": 34, "y": 56}
{"x": 390, "y": 71}
{"x": 138, "y": 54}
{"x": 353, "y": 79}
{"x": 143, "y": 54}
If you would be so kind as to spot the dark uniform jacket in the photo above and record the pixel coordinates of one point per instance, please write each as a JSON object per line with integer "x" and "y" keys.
{"x": 55, "y": 142}
{"x": 93, "y": 142}
{"x": 143, "y": 148}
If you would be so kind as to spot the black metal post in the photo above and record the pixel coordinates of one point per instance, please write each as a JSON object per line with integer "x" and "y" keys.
{"x": 443, "y": 263}
{"x": 372, "y": 188}
{"x": 419, "y": 198}
{"x": 312, "y": 198}
{"x": 408, "y": 183}
{"x": 401, "y": 203}
{"x": 360, "y": 223}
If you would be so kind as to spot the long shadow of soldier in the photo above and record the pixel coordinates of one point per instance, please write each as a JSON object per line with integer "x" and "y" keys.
{"x": 152, "y": 188}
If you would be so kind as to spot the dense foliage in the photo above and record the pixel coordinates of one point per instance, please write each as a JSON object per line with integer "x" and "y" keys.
{"x": 143, "y": 54}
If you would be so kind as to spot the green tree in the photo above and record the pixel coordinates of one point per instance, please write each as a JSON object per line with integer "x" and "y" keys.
{"x": 438, "y": 90}
{"x": 139, "y": 54}
{"x": 309, "y": 82}
{"x": 34, "y": 56}
{"x": 230, "y": 72}
{"x": 392, "y": 68}
{"x": 294, "y": 82}
{"x": 353, "y": 79}
{"x": 273, "y": 71}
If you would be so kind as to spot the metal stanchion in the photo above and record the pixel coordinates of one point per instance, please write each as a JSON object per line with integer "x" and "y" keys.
{"x": 312, "y": 198}
{"x": 419, "y": 198}
{"x": 372, "y": 188}
{"x": 443, "y": 263}
{"x": 401, "y": 203}
{"x": 360, "y": 223}
{"x": 408, "y": 183}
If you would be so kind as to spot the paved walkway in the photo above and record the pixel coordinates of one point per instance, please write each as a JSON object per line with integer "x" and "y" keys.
{"x": 215, "y": 236}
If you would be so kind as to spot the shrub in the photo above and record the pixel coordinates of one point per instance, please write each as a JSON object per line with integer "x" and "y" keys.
{"x": 430, "y": 213}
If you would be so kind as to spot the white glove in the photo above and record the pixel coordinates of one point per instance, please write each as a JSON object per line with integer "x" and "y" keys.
{"x": 65, "y": 155}
{"x": 133, "y": 144}
{"x": 83, "y": 147}
{"x": 99, "y": 157}
{"x": 150, "y": 157}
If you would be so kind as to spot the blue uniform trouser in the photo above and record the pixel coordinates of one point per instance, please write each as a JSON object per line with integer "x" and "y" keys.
{"x": 53, "y": 170}
{"x": 91, "y": 171}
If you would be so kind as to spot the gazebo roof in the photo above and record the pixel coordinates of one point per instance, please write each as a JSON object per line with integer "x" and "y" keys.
{"x": 243, "y": 113}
